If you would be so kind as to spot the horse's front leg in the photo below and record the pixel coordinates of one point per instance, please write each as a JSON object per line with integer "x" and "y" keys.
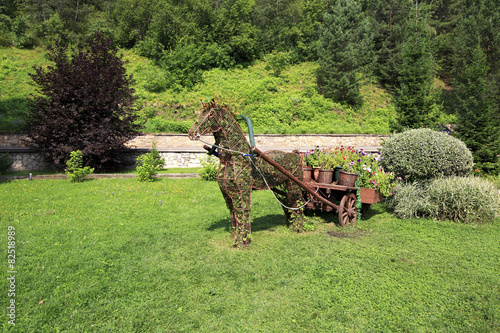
{"x": 242, "y": 197}
{"x": 225, "y": 190}
{"x": 236, "y": 187}
{"x": 242, "y": 202}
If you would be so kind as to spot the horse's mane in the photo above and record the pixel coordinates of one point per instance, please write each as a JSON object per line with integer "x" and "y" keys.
{"x": 222, "y": 105}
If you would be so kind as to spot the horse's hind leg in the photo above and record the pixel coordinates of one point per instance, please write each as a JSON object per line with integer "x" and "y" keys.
{"x": 293, "y": 199}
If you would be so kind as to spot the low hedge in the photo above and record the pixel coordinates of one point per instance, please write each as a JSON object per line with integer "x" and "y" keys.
{"x": 459, "y": 199}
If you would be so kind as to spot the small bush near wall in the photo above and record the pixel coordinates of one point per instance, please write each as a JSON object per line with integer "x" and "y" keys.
{"x": 210, "y": 165}
{"x": 5, "y": 162}
{"x": 422, "y": 154}
{"x": 148, "y": 166}
{"x": 75, "y": 171}
{"x": 459, "y": 199}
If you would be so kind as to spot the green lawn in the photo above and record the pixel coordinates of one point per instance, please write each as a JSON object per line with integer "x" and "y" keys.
{"x": 117, "y": 255}
{"x": 126, "y": 171}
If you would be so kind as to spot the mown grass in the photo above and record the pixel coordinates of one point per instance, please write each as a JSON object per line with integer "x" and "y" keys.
{"x": 25, "y": 173}
{"x": 120, "y": 255}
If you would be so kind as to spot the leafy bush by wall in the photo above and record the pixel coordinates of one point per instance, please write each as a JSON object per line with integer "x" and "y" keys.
{"x": 146, "y": 167}
{"x": 75, "y": 170}
{"x": 422, "y": 154}
{"x": 210, "y": 165}
{"x": 149, "y": 164}
{"x": 5, "y": 162}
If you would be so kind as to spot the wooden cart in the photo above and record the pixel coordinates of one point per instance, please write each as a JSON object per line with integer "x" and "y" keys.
{"x": 324, "y": 197}
{"x": 343, "y": 200}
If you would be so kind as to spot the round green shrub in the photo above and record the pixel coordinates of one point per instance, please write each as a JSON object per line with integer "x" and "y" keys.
{"x": 422, "y": 154}
{"x": 148, "y": 165}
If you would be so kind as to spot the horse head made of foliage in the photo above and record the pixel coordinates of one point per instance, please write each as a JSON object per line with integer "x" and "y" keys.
{"x": 209, "y": 121}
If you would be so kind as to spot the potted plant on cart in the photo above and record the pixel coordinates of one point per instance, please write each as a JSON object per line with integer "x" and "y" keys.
{"x": 343, "y": 160}
{"x": 311, "y": 158}
{"x": 375, "y": 183}
{"x": 327, "y": 165}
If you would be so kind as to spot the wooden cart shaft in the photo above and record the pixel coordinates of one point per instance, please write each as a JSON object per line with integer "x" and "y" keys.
{"x": 302, "y": 184}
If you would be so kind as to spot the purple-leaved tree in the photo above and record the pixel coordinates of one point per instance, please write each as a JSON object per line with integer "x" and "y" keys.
{"x": 84, "y": 103}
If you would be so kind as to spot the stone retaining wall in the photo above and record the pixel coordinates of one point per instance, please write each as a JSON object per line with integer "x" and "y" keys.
{"x": 30, "y": 160}
{"x": 299, "y": 141}
{"x": 180, "y": 152}
{"x": 8, "y": 140}
{"x": 173, "y": 159}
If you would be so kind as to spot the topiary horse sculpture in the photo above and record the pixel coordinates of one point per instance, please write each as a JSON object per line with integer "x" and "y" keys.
{"x": 240, "y": 172}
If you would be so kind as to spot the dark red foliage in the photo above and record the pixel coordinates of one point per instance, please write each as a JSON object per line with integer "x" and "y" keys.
{"x": 86, "y": 104}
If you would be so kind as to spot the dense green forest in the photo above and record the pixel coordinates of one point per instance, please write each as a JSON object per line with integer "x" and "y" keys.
{"x": 400, "y": 47}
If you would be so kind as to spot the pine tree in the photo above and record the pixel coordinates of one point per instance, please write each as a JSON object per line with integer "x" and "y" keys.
{"x": 476, "y": 82}
{"x": 345, "y": 44}
{"x": 412, "y": 93}
{"x": 389, "y": 20}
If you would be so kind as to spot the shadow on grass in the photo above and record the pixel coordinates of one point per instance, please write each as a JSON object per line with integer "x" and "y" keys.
{"x": 267, "y": 222}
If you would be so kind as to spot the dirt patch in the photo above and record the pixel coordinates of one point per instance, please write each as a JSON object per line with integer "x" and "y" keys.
{"x": 344, "y": 234}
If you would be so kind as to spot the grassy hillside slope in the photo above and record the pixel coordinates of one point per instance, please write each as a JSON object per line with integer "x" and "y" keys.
{"x": 289, "y": 103}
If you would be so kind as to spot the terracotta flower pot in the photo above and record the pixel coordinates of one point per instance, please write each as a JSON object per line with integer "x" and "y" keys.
{"x": 316, "y": 173}
{"x": 347, "y": 178}
{"x": 307, "y": 174}
{"x": 325, "y": 176}
{"x": 370, "y": 196}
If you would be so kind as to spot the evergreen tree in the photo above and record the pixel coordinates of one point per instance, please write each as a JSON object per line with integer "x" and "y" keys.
{"x": 412, "y": 93}
{"x": 476, "y": 82}
{"x": 344, "y": 48}
{"x": 388, "y": 23}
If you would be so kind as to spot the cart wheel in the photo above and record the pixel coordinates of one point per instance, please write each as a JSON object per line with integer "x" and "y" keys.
{"x": 348, "y": 213}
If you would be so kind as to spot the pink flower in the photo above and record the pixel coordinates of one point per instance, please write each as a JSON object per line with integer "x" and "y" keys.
{"x": 390, "y": 193}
